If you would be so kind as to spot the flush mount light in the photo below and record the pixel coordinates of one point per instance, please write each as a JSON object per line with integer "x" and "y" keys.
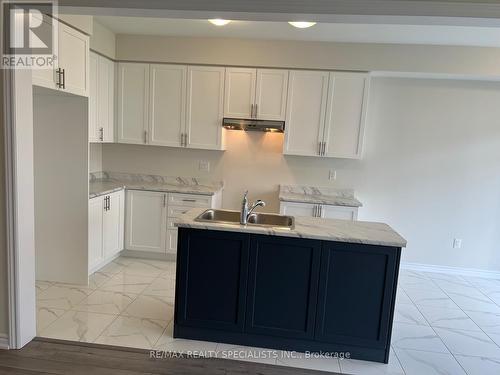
{"x": 302, "y": 24}
{"x": 219, "y": 22}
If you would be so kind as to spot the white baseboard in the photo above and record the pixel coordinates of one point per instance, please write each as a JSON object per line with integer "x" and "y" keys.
{"x": 149, "y": 255}
{"x": 4, "y": 341}
{"x": 472, "y": 272}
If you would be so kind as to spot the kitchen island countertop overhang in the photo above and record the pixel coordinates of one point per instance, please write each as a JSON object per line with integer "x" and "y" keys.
{"x": 361, "y": 232}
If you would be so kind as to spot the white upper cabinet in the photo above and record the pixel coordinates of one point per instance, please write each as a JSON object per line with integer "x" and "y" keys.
{"x": 239, "y": 97}
{"x": 94, "y": 131}
{"x": 71, "y": 70}
{"x": 133, "y": 103}
{"x": 45, "y": 77}
{"x": 345, "y": 114}
{"x": 167, "y": 100}
{"x": 305, "y": 114}
{"x": 101, "y": 99}
{"x": 106, "y": 98}
{"x": 270, "y": 95}
{"x": 74, "y": 60}
{"x": 205, "y": 107}
{"x": 326, "y": 114}
{"x": 255, "y": 93}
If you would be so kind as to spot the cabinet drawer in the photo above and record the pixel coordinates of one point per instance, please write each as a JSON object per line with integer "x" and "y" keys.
{"x": 176, "y": 211}
{"x": 189, "y": 200}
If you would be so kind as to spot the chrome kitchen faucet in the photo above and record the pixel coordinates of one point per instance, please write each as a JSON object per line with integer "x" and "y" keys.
{"x": 245, "y": 211}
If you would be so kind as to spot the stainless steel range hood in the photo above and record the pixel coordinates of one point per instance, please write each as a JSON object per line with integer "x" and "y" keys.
{"x": 253, "y": 125}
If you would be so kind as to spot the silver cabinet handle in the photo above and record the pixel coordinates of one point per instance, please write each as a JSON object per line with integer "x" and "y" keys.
{"x": 182, "y": 139}
{"x": 251, "y": 110}
{"x": 256, "y": 111}
{"x": 186, "y": 139}
{"x": 58, "y": 77}
{"x": 189, "y": 200}
{"x": 315, "y": 208}
{"x": 145, "y": 136}
{"x": 164, "y": 200}
{"x": 320, "y": 211}
{"x": 319, "y": 148}
{"x": 64, "y": 79}
{"x": 324, "y": 148}
{"x": 101, "y": 134}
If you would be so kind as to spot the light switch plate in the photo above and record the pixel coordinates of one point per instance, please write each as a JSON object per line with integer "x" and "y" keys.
{"x": 204, "y": 165}
{"x": 332, "y": 175}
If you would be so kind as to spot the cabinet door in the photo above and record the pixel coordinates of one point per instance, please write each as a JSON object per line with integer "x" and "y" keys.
{"x": 133, "y": 102}
{"x": 212, "y": 279}
{"x": 360, "y": 279}
{"x": 146, "y": 221}
{"x": 339, "y": 212}
{"x": 298, "y": 209}
{"x": 167, "y": 104}
{"x": 239, "y": 96}
{"x": 45, "y": 77}
{"x": 94, "y": 131}
{"x": 113, "y": 224}
{"x": 283, "y": 285}
{"x": 205, "y": 102}
{"x": 96, "y": 206}
{"x": 270, "y": 95}
{"x": 345, "y": 118}
{"x": 74, "y": 59}
{"x": 105, "y": 97}
{"x": 305, "y": 112}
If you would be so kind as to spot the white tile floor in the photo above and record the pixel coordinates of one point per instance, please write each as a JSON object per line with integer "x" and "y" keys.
{"x": 443, "y": 324}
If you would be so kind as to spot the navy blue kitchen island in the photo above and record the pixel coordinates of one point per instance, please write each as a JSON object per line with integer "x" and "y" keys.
{"x": 276, "y": 290}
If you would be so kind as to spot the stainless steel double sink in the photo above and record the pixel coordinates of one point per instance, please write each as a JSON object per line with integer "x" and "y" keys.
{"x": 255, "y": 218}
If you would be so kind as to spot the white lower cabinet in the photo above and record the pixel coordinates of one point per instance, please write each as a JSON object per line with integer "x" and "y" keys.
{"x": 106, "y": 226}
{"x": 96, "y": 208}
{"x": 113, "y": 224}
{"x": 339, "y": 212}
{"x": 146, "y": 221}
{"x": 150, "y": 218}
{"x": 319, "y": 210}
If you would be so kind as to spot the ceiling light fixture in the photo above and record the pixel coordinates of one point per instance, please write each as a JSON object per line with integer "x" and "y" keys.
{"x": 219, "y": 22}
{"x": 301, "y": 24}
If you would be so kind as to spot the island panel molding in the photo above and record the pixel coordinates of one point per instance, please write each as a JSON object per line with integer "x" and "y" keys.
{"x": 298, "y": 294}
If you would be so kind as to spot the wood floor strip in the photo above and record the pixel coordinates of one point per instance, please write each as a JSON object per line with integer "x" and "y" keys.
{"x": 57, "y": 357}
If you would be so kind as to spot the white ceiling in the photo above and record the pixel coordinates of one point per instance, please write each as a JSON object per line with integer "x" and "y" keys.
{"x": 329, "y": 32}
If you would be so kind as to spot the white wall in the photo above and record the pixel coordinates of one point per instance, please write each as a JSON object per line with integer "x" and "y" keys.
{"x": 95, "y": 157}
{"x": 61, "y": 186}
{"x": 80, "y": 22}
{"x": 103, "y": 41}
{"x": 3, "y": 241}
{"x": 430, "y": 167}
{"x": 476, "y": 61}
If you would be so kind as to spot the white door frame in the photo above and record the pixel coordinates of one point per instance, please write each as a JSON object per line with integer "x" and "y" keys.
{"x": 19, "y": 181}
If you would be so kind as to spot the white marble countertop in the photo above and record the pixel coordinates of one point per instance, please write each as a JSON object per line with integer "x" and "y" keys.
{"x": 363, "y": 232}
{"x": 106, "y": 183}
{"x": 318, "y": 195}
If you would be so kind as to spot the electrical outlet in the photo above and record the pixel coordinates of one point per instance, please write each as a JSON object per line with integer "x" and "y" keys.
{"x": 204, "y": 165}
{"x": 457, "y": 243}
{"x": 332, "y": 175}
